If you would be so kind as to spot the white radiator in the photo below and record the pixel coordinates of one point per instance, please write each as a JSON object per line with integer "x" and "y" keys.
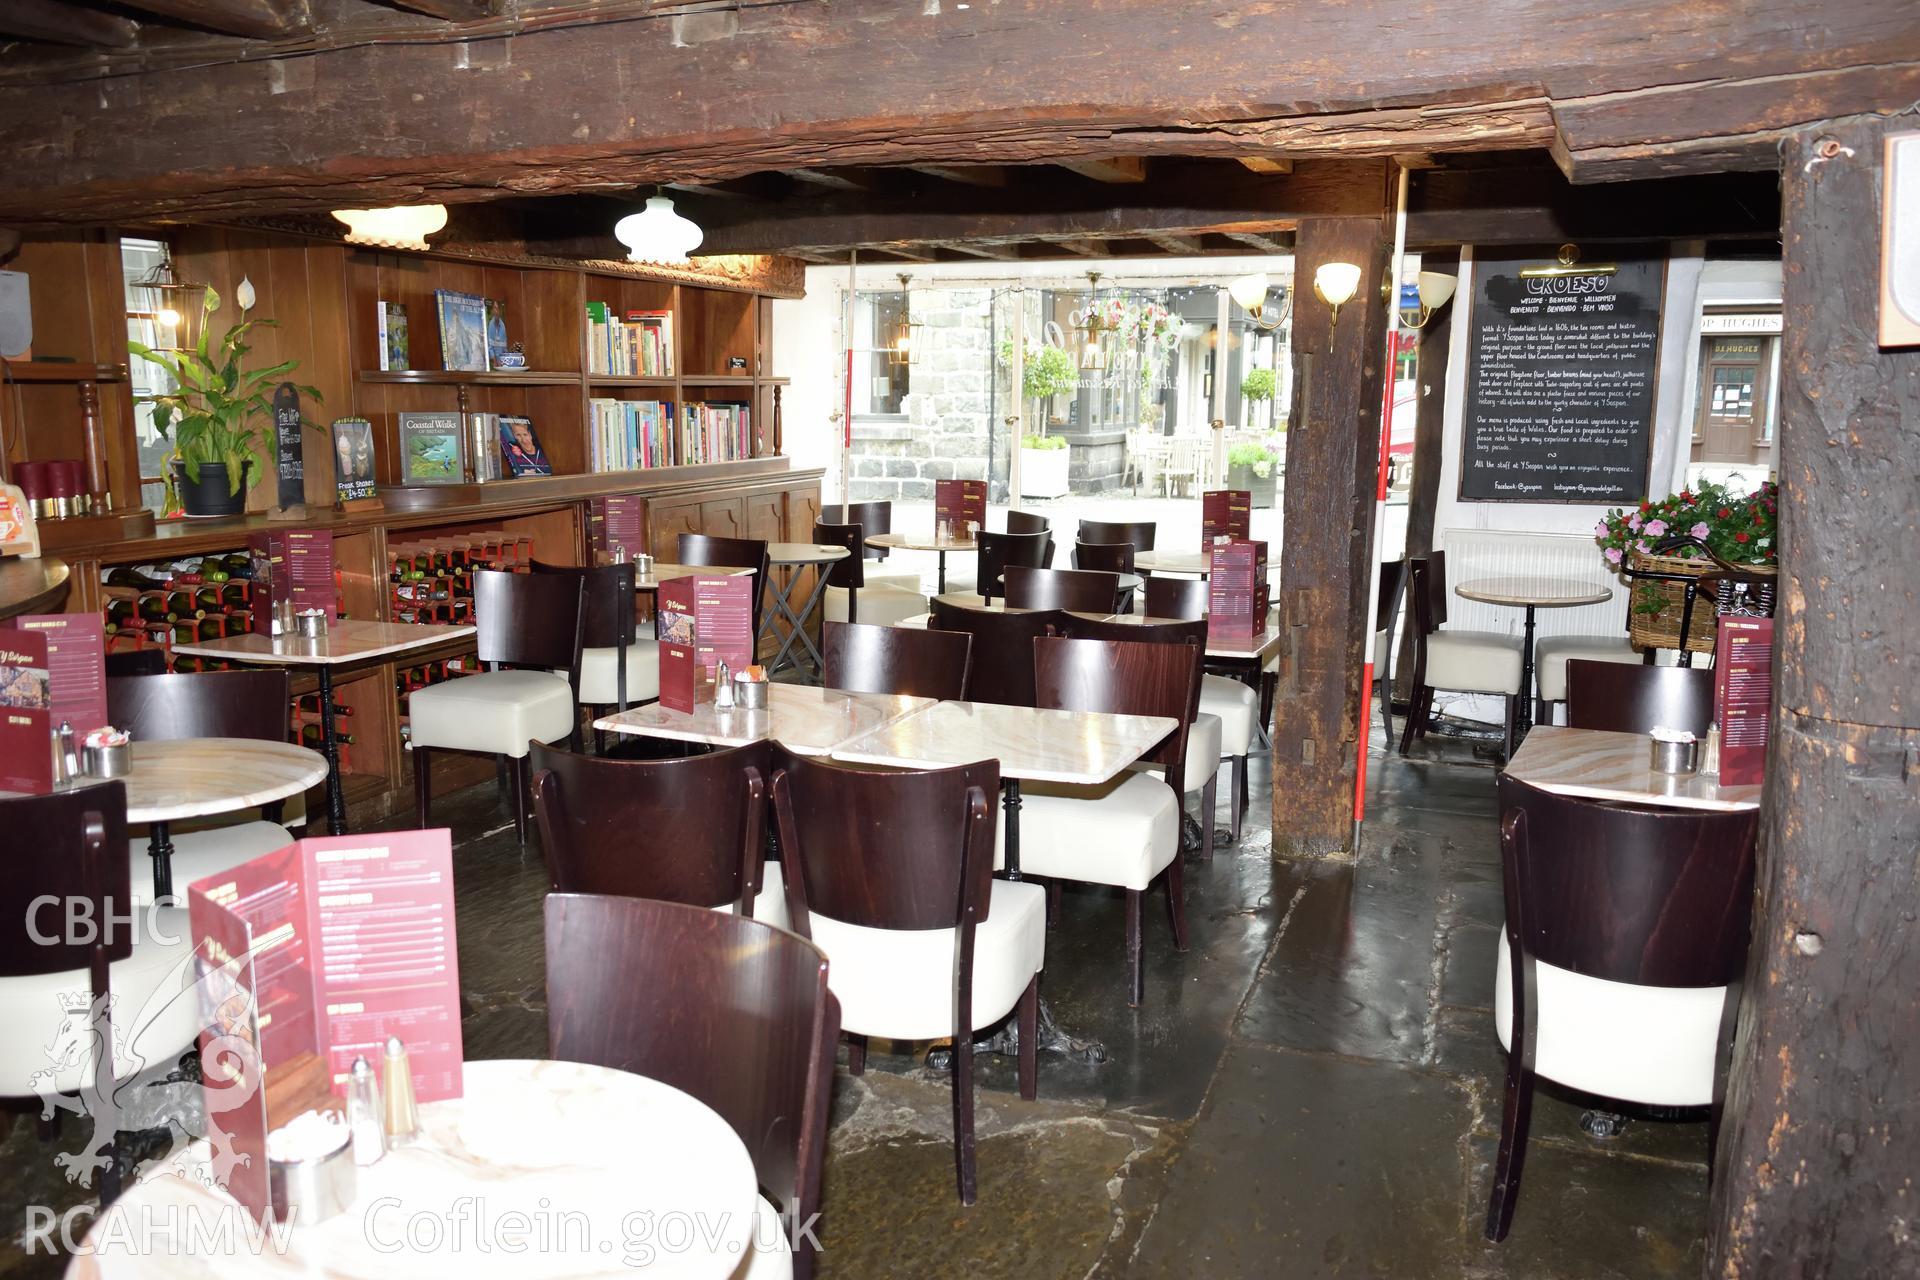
{"x": 1498, "y": 553}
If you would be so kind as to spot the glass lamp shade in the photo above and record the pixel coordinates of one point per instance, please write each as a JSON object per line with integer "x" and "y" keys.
{"x": 1436, "y": 289}
{"x": 1335, "y": 282}
{"x": 1250, "y": 292}
{"x": 1093, "y": 356}
{"x": 905, "y": 346}
{"x": 177, "y": 308}
{"x": 406, "y": 227}
{"x": 658, "y": 235}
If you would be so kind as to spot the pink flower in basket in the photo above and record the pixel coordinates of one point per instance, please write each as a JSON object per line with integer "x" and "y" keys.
{"x": 1633, "y": 522}
{"x": 1656, "y": 528}
{"x": 1700, "y": 531}
{"x": 1613, "y": 555}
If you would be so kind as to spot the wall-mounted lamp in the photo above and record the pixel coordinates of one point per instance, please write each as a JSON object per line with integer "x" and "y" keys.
{"x": 1334, "y": 283}
{"x": 400, "y": 228}
{"x": 1251, "y": 293}
{"x": 904, "y": 347}
{"x": 658, "y": 235}
{"x": 1432, "y": 291}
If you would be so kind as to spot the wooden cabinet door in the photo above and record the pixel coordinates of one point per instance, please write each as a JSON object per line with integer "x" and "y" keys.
{"x": 666, "y": 521}
{"x": 767, "y": 518}
{"x": 803, "y": 512}
{"x": 723, "y": 518}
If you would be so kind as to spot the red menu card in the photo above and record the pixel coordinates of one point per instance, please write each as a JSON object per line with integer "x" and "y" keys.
{"x": 613, "y": 523}
{"x": 26, "y": 716}
{"x": 76, "y": 666}
{"x": 296, "y": 565}
{"x": 1237, "y": 588}
{"x": 959, "y": 501}
{"x": 703, "y": 620}
{"x": 1743, "y": 697}
{"x": 1225, "y": 513}
{"x": 332, "y": 944}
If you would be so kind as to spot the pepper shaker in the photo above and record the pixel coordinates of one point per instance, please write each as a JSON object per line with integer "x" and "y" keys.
{"x": 69, "y": 750}
{"x": 723, "y": 685}
{"x": 403, "y": 1115}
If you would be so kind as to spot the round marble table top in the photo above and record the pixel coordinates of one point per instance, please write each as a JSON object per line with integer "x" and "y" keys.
{"x": 1538, "y": 592}
{"x": 803, "y": 553}
{"x": 195, "y": 777}
{"x": 1171, "y": 561}
{"x": 541, "y": 1169}
{"x": 921, "y": 542}
{"x": 31, "y": 584}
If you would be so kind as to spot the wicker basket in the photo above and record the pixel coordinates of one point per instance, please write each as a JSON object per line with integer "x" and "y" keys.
{"x": 1751, "y": 594}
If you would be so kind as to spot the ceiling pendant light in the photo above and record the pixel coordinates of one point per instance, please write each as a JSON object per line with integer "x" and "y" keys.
{"x": 904, "y": 348}
{"x": 657, "y": 235}
{"x": 1093, "y": 326}
{"x": 177, "y": 308}
{"x": 405, "y": 227}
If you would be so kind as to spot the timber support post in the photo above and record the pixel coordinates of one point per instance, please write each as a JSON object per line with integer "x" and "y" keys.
{"x": 1333, "y": 458}
{"x": 1818, "y": 1173}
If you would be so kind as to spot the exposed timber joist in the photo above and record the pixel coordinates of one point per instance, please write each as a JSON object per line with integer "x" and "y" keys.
{"x": 1253, "y": 240}
{"x": 448, "y": 10}
{"x": 1109, "y": 168}
{"x": 1266, "y": 164}
{"x": 969, "y": 175}
{"x": 794, "y": 86}
{"x": 62, "y": 24}
{"x": 258, "y": 19}
{"x": 1174, "y": 243}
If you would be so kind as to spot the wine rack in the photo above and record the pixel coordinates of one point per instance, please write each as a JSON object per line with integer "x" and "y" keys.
{"x": 431, "y": 580}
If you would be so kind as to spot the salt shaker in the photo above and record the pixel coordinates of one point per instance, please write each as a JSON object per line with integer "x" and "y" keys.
{"x": 403, "y": 1115}
{"x": 69, "y": 749}
{"x": 723, "y": 686}
{"x": 364, "y": 1119}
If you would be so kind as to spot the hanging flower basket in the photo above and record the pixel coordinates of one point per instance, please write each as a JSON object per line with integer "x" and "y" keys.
{"x": 1692, "y": 536}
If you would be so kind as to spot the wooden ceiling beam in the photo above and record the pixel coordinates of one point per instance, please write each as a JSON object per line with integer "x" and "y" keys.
{"x": 57, "y": 23}
{"x": 1086, "y": 248}
{"x": 1266, "y": 164}
{"x": 1254, "y": 240}
{"x": 1109, "y": 168}
{"x": 255, "y": 19}
{"x": 449, "y": 10}
{"x": 834, "y": 179}
{"x": 967, "y": 175}
{"x": 974, "y": 249}
{"x": 1177, "y": 244}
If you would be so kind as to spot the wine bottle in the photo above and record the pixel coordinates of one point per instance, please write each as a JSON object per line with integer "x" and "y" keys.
{"x": 309, "y": 704}
{"x": 236, "y": 595}
{"x": 183, "y": 605}
{"x": 154, "y": 608}
{"x": 121, "y": 576}
{"x": 310, "y": 736}
{"x": 120, "y": 611}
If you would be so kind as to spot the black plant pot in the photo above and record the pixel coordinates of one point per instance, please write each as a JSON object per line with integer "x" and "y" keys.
{"x": 210, "y": 497}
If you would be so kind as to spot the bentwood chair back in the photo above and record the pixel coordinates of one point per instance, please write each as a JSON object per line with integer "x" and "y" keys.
{"x": 733, "y": 1011}
{"x": 848, "y": 574}
{"x": 741, "y": 553}
{"x": 1002, "y": 668}
{"x": 1138, "y": 534}
{"x": 876, "y": 861}
{"x": 254, "y": 704}
{"x": 1633, "y": 698}
{"x": 1026, "y": 522}
{"x": 1000, "y": 550}
{"x": 1076, "y": 590}
{"x": 1176, "y": 597}
{"x": 689, "y": 830}
{"x": 1625, "y": 942}
{"x": 902, "y": 660}
{"x": 617, "y": 667}
{"x": 1127, "y": 833}
{"x": 529, "y": 637}
{"x": 1106, "y": 557}
{"x": 79, "y": 843}
{"x": 873, "y": 518}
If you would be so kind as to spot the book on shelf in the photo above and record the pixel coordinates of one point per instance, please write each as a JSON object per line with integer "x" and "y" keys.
{"x": 520, "y": 447}
{"x": 393, "y": 337}
{"x": 463, "y": 331}
{"x": 715, "y": 431}
{"x": 432, "y": 449}
{"x": 637, "y": 345}
{"x": 495, "y": 312}
{"x": 629, "y": 435}
{"x": 483, "y": 446}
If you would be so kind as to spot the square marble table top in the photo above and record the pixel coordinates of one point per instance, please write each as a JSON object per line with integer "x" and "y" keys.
{"x": 350, "y": 640}
{"x": 1616, "y": 766}
{"x": 1036, "y": 745}
{"x": 809, "y": 722}
{"x": 668, "y": 572}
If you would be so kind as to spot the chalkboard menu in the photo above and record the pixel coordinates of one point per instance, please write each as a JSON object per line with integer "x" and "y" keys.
{"x": 288, "y": 447}
{"x": 1560, "y": 380}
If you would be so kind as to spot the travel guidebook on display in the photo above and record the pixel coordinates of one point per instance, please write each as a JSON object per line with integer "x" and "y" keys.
{"x": 309, "y": 957}
{"x": 705, "y": 619}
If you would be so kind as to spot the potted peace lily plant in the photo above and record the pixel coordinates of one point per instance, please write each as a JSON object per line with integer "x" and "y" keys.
{"x": 212, "y": 416}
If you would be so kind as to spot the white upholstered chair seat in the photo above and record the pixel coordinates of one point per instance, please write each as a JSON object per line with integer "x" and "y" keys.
{"x": 878, "y": 606}
{"x": 1236, "y": 706}
{"x": 770, "y": 904}
{"x": 498, "y": 712}
{"x": 1203, "y": 755}
{"x": 600, "y": 674}
{"x": 1382, "y": 648}
{"x": 1550, "y": 657}
{"x": 890, "y": 579}
{"x": 898, "y": 983}
{"x": 1123, "y": 832}
{"x": 199, "y": 854}
{"x": 152, "y": 1028}
{"x": 1473, "y": 661}
{"x": 769, "y": 1255}
{"x": 1654, "y": 1045}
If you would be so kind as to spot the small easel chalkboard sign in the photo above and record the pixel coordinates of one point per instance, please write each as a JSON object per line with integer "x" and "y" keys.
{"x": 289, "y": 455}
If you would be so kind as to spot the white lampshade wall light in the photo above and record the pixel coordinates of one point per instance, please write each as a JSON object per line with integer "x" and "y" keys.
{"x": 657, "y": 235}
{"x": 1334, "y": 284}
{"x": 406, "y": 227}
{"x": 1251, "y": 293}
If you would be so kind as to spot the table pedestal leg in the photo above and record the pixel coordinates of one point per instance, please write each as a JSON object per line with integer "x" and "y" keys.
{"x": 330, "y": 748}
{"x": 1524, "y": 712}
{"x": 1010, "y": 801}
{"x": 942, "y": 579}
{"x": 160, "y": 849}
{"x": 1602, "y": 1124}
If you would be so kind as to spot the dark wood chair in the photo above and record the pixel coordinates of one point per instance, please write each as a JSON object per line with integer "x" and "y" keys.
{"x": 1127, "y": 833}
{"x": 78, "y": 869}
{"x": 529, "y": 627}
{"x": 849, "y": 575}
{"x": 999, "y": 550}
{"x": 1602, "y": 899}
{"x": 1107, "y": 557}
{"x": 1002, "y": 663}
{"x": 874, "y": 860}
{"x": 1076, "y": 590}
{"x": 254, "y": 704}
{"x": 872, "y": 517}
{"x": 618, "y": 667}
{"x": 1393, "y": 585}
{"x": 1026, "y": 522}
{"x": 1138, "y": 534}
{"x": 740, "y": 553}
{"x": 1630, "y": 698}
{"x": 733, "y": 1011}
{"x": 1176, "y": 597}
{"x": 137, "y": 662}
{"x": 920, "y": 663}
{"x": 689, "y": 830}
{"x": 1450, "y": 658}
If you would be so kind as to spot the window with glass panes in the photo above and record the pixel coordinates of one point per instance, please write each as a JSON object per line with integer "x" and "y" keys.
{"x": 879, "y": 386}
